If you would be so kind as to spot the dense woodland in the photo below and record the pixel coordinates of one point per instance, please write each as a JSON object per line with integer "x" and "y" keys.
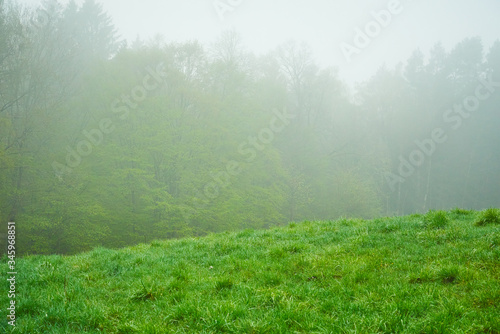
{"x": 108, "y": 143}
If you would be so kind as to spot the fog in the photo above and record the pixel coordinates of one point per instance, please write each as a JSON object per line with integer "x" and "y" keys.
{"x": 324, "y": 25}
{"x": 122, "y": 122}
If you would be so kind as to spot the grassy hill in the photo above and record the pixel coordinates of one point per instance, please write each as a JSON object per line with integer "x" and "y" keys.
{"x": 433, "y": 273}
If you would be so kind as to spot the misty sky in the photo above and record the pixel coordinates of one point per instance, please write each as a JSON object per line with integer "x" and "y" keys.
{"x": 323, "y": 24}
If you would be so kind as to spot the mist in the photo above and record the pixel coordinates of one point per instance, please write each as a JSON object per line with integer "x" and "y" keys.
{"x": 122, "y": 123}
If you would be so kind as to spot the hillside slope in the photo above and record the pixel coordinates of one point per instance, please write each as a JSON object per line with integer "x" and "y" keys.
{"x": 433, "y": 273}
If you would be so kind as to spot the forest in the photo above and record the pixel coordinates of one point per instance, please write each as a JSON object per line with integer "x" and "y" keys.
{"x": 111, "y": 143}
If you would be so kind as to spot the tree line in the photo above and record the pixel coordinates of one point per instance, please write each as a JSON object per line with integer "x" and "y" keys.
{"x": 104, "y": 142}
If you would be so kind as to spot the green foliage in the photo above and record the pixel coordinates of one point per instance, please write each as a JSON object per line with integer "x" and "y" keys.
{"x": 222, "y": 141}
{"x": 488, "y": 216}
{"x": 329, "y": 276}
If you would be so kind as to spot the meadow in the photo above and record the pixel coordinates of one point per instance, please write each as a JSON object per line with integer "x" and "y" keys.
{"x": 432, "y": 273}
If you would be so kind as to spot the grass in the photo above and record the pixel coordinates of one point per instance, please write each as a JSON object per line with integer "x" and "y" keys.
{"x": 433, "y": 273}
{"x": 436, "y": 219}
{"x": 489, "y": 216}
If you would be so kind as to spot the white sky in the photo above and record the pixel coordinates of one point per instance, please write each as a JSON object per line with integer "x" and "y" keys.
{"x": 323, "y": 24}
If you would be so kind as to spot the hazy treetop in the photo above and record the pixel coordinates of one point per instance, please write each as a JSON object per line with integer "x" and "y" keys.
{"x": 324, "y": 24}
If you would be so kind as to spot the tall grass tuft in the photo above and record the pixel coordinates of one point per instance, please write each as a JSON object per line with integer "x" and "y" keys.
{"x": 486, "y": 217}
{"x": 436, "y": 219}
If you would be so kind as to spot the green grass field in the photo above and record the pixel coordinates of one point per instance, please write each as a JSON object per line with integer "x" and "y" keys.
{"x": 433, "y": 273}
